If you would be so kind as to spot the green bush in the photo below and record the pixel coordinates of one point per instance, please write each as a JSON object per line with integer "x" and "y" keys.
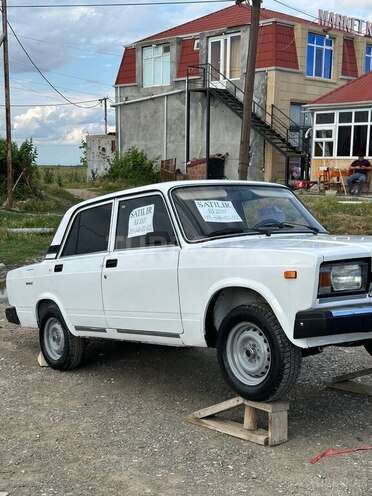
{"x": 134, "y": 168}
{"x": 25, "y": 170}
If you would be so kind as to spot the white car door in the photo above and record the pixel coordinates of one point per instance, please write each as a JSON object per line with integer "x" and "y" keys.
{"x": 140, "y": 282}
{"x": 77, "y": 273}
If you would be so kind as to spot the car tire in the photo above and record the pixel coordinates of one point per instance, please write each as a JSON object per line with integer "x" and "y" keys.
{"x": 61, "y": 349}
{"x": 255, "y": 357}
{"x": 368, "y": 347}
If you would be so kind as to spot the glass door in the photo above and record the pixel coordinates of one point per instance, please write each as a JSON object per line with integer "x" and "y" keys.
{"x": 216, "y": 59}
{"x": 224, "y": 57}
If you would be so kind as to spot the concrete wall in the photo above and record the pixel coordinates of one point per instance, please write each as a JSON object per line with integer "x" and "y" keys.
{"x": 157, "y": 122}
{"x": 158, "y": 127}
{"x": 100, "y": 149}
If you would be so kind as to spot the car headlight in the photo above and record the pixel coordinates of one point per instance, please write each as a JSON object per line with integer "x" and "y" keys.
{"x": 343, "y": 278}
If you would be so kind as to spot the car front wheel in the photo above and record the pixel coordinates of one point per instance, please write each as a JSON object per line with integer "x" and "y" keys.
{"x": 254, "y": 355}
{"x": 61, "y": 349}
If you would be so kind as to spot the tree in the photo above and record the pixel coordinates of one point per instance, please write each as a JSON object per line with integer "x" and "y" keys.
{"x": 83, "y": 158}
{"x": 25, "y": 171}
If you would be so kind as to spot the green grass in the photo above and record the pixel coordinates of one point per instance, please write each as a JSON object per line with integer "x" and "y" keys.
{"x": 67, "y": 177}
{"x": 46, "y": 211}
{"x": 9, "y": 220}
{"x": 339, "y": 215}
{"x": 20, "y": 249}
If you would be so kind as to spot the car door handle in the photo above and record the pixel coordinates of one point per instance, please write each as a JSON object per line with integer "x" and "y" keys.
{"x": 58, "y": 268}
{"x": 112, "y": 262}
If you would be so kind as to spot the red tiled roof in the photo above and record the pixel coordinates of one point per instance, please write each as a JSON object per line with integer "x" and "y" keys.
{"x": 276, "y": 47}
{"x": 188, "y": 56}
{"x": 349, "y": 63}
{"x": 357, "y": 91}
{"x": 127, "y": 69}
{"x": 235, "y": 15}
{"x": 276, "y": 43}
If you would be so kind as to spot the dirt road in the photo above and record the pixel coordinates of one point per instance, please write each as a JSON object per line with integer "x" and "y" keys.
{"x": 117, "y": 426}
{"x": 83, "y": 193}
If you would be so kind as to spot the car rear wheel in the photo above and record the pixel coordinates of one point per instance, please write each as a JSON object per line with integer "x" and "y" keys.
{"x": 61, "y": 349}
{"x": 254, "y": 355}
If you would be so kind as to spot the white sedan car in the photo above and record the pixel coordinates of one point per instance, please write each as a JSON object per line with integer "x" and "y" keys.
{"x": 239, "y": 266}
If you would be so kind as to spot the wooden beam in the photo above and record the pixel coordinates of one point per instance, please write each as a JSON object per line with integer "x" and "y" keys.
{"x": 277, "y": 432}
{"x": 344, "y": 382}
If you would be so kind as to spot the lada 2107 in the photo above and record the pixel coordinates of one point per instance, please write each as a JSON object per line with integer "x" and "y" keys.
{"x": 240, "y": 266}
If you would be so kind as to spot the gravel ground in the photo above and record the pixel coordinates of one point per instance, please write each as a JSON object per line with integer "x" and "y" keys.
{"x": 117, "y": 426}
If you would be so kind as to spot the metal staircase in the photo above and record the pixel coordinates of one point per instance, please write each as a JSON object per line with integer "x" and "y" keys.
{"x": 276, "y": 128}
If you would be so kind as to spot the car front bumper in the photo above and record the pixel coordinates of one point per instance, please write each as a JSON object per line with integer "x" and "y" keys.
{"x": 11, "y": 315}
{"x": 328, "y": 322}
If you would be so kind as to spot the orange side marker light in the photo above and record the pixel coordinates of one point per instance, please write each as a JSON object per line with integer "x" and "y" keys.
{"x": 290, "y": 274}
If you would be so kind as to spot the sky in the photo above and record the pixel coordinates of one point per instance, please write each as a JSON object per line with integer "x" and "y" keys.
{"x": 71, "y": 55}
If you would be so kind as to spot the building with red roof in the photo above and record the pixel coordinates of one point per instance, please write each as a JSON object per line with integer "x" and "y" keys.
{"x": 179, "y": 92}
{"x": 342, "y": 125}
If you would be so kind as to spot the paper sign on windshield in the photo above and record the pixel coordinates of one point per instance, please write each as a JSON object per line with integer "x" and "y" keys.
{"x": 141, "y": 221}
{"x": 217, "y": 211}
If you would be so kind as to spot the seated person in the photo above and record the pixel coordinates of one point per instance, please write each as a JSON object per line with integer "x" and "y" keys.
{"x": 359, "y": 169}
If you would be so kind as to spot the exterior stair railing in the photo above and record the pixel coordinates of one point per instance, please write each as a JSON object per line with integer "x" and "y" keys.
{"x": 276, "y": 127}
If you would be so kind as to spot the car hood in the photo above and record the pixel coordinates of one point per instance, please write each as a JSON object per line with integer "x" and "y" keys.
{"x": 328, "y": 246}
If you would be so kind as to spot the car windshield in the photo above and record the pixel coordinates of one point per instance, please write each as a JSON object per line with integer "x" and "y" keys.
{"x": 208, "y": 211}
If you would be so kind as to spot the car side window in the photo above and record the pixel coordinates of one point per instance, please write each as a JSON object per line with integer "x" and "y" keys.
{"x": 143, "y": 221}
{"x": 89, "y": 232}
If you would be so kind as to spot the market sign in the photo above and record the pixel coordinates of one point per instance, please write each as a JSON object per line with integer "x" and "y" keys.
{"x": 344, "y": 23}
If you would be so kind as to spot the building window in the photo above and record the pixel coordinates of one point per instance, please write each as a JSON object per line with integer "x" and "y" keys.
{"x": 325, "y": 118}
{"x": 156, "y": 65}
{"x": 345, "y": 133}
{"x": 319, "y": 56}
{"x": 368, "y": 62}
{"x": 323, "y": 146}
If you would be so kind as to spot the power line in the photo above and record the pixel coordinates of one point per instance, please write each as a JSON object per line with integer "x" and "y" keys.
{"x": 121, "y": 4}
{"x": 74, "y": 47}
{"x": 39, "y": 71}
{"x": 17, "y": 81}
{"x": 53, "y": 104}
{"x": 315, "y": 18}
{"x": 70, "y": 76}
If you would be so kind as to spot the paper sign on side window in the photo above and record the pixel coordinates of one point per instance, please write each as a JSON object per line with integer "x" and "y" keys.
{"x": 217, "y": 211}
{"x": 141, "y": 221}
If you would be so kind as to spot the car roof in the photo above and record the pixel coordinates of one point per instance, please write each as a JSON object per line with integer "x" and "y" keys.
{"x": 168, "y": 185}
{"x": 164, "y": 187}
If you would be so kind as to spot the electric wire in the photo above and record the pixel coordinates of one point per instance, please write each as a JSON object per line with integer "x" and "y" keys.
{"x": 74, "y": 47}
{"x": 20, "y": 105}
{"x": 315, "y": 18}
{"x": 69, "y": 76}
{"x": 39, "y": 71}
{"x": 121, "y": 4}
{"x": 18, "y": 81}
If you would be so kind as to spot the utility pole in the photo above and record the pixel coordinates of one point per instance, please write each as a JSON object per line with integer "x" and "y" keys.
{"x": 9, "y": 168}
{"x": 248, "y": 90}
{"x": 105, "y": 110}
